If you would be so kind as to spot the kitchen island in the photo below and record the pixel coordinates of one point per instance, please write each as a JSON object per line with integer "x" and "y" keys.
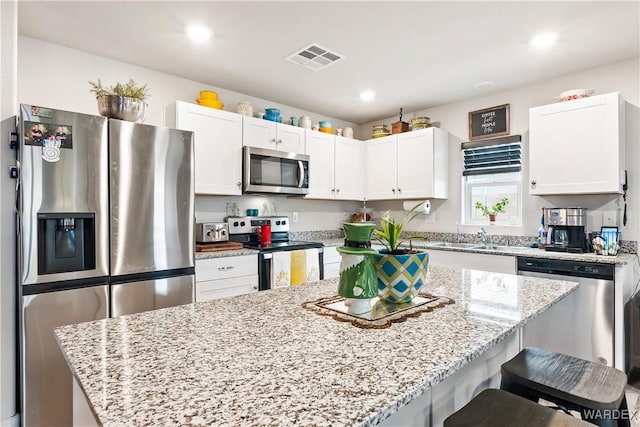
{"x": 263, "y": 359}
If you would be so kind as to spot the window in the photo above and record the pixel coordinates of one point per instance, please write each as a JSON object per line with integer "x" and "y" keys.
{"x": 492, "y": 170}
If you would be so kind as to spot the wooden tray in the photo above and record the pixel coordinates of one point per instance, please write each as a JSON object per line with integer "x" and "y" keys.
{"x": 218, "y": 246}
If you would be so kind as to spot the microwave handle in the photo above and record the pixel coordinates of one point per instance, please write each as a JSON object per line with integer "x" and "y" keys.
{"x": 300, "y": 173}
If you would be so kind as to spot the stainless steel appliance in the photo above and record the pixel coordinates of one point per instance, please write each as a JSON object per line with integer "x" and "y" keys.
{"x": 566, "y": 229}
{"x": 582, "y": 323}
{"x": 105, "y": 227}
{"x": 243, "y": 230}
{"x": 207, "y": 232}
{"x": 270, "y": 171}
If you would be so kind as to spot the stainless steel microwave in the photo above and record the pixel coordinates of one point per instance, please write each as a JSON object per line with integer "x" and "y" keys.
{"x": 271, "y": 171}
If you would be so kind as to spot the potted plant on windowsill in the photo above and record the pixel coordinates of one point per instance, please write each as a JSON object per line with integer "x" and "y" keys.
{"x": 124, "y": 101}
{"x": 401, "y": 272}
{"x": 492, "y": 211}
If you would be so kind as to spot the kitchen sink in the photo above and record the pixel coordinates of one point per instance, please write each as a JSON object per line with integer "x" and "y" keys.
{"x": 453, "y": 245}
{"x": 481, "y": 246}
{"x": 491, "y": 247}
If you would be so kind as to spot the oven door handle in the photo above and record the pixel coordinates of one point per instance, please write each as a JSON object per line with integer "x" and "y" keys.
{"x": 300, "y": 173}
{"x": 267, "y": 256}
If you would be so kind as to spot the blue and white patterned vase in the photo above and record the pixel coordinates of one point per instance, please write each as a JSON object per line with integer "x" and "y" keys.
{"x": 400, "y": 277}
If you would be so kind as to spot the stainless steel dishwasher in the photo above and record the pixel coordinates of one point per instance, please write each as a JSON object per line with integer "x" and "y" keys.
{"x": 582, "y": 323}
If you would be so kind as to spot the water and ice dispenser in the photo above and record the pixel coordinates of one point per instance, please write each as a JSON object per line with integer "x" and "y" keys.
{"x": 66, "y": 242}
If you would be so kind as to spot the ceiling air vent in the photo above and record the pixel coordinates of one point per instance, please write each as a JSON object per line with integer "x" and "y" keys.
{"x": 314, "y": 57}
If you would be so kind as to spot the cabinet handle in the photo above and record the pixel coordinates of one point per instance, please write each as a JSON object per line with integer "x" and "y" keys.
{"x": 393, "y": 190}
{"x": 239, "y": 184}
{"x": 533, "y": 182}
{"x": 399, "y": 190}
{"x": 333, "y": 190}
{"x": 337, "y": 190}
{"x": 226, "y": 267}
{"x": 255, "y": 287}
{"x": 279, "y": 141}
{"x": 274, "y": 140}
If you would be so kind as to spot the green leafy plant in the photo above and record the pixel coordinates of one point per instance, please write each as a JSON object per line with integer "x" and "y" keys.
{"x": 499, "y": 207}
{"x": 391, "y": 230}
{"x": 130, "y": 89}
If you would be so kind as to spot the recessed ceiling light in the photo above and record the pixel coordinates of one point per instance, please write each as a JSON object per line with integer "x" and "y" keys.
{"x": 367, "y": 95}
{"x": 198, "y": 33}
{"x": 544, "y": 40}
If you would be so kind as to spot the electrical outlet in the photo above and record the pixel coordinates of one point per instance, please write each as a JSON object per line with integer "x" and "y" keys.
{"x": 294, "y": 217}
{"x": 609, "y": 218}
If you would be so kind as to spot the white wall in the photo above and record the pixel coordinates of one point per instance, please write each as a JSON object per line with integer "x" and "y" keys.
{"x": 58, "y": 77}
{"x": 55, "y": 76}
{"x": 8, "y": 109}
{"x": 623, "y": 77}
{"x": 65, "y": 85}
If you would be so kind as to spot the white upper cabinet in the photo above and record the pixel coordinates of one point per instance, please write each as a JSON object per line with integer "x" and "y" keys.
{"x": 577, "y": 147}
{"x": 349, "y": 170}
{"x": 273, "y": 136}
{"x": 423, "y": 164}
{"x": 217, "y": 135}
{"x": 381, "y": 168}
{"x": 409, "y": 165}
{"x": 336, "y": 167}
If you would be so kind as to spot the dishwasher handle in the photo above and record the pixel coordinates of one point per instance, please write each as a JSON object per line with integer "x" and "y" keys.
{"x": 558, "y": 267}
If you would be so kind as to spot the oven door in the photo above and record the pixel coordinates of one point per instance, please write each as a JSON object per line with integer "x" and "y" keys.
{"x": 270, "y": 171}
{"x": 266, "y": 269}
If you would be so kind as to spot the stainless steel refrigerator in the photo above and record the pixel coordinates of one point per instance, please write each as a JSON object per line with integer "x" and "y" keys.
{"x": 105, "y": 228}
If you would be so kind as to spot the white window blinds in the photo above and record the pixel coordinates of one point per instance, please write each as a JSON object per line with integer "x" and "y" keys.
{"x": 496, "y": 155}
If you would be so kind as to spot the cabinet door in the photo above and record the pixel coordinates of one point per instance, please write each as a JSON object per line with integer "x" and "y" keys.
{"x": 217, "y": 135}
{"x": 290, "y": 138}
{"x": 575, "y": 147}
{"x": 423, "y": 169}
{"x": 381, "y": 168}
{"x": 259, "y": 133}
{"x": 226, "y": 267}
{"x": 216, "y": 289}
{"x": 349, "y": 170}
{"x": 320, "y": 147}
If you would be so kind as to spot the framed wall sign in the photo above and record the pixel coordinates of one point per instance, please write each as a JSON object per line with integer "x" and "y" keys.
{"x": 489, "y": 122}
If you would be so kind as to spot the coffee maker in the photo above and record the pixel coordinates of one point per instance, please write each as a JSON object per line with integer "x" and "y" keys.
{"x": 566, "y": 229}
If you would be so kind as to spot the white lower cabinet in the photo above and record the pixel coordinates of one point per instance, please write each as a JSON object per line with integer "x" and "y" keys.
{"x": 226, "y": 276}
{"x": 332, "y": 259}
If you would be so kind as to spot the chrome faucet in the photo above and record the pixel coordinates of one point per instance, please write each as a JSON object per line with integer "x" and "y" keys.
{"x": 483, "y": 235}
{"x": 459, "y": 237}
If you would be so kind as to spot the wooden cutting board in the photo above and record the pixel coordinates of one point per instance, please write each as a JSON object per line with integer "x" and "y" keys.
{"x": 218, "y": 246}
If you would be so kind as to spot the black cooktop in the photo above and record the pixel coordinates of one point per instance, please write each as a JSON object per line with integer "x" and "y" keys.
{"x": 290, "y": 245}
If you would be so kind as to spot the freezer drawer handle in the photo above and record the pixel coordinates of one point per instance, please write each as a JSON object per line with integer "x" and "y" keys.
{"x": 226, "y": 267}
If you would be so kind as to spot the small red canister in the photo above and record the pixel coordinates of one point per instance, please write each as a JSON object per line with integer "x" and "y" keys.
{"x": 264, "y": 231}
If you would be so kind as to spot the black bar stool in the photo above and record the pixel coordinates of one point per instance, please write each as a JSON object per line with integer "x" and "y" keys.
{"x": 497, "y": 408}
{"x": 597, "y": 391}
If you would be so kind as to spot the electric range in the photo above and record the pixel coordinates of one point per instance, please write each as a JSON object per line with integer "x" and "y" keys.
{"x": 243, "y": 230}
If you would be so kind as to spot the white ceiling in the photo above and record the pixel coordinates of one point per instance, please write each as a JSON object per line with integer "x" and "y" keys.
{"x": 413, "y": 54}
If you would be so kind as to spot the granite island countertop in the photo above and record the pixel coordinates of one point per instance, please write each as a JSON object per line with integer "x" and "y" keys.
{"x": 262, "y": 359}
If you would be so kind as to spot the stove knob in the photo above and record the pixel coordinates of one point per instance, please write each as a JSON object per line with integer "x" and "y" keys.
{"x": 209, "y": 233}
{"x": 242, "y": 223}
{"x": 277, "y": 222}
{"x": 284, "y": 222}
{"x": 235, "y": 223}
